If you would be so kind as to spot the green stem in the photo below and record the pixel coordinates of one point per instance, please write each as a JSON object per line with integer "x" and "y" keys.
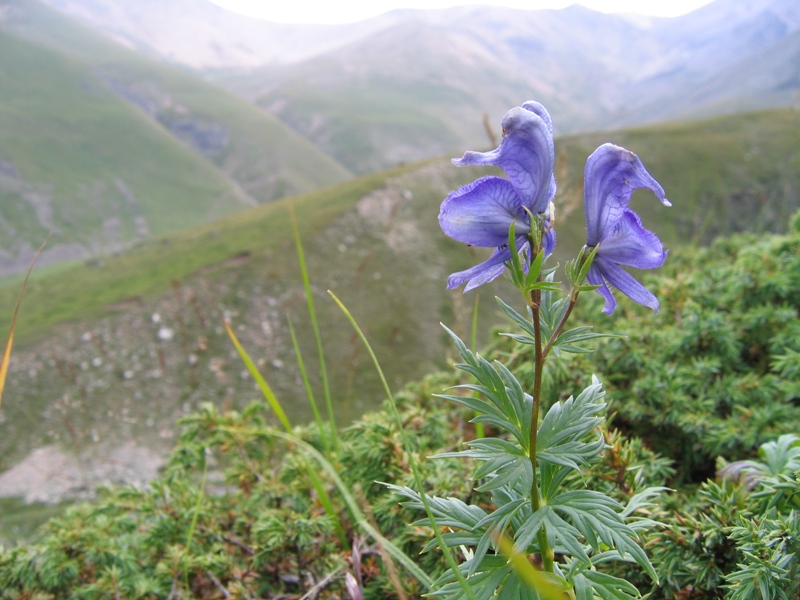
{"x": 573, "y": 299}
{"x": 535, "y": 298}
{"x": 539, "y": 356}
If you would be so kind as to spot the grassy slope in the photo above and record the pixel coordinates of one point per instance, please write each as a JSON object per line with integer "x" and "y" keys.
{"x": 264, "y": 156}
{"x": 725, "y": 175}
{"x": 113, "y": 360}
{"x": 148, "y": 268}
{"x": 66, "y": 134}
{"x": 392, "y": 109}
{"x": 71, "y": 138}
{"x": 375, "y": 242}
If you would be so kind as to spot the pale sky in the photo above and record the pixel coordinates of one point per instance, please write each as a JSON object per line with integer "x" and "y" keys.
{"x": 348, "y": 11}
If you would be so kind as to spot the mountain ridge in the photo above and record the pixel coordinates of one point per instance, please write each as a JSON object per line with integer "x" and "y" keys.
{"x": 115, "y": 349}
{"x": 103, "y": 147}
{"x": 595, "y": 71}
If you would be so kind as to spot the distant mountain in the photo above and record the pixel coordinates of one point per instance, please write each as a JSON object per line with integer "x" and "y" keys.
{"x": 202, "y": 35}
{"x": 116, "y": 350}
{"x": 728, "y": 56}
{"x": 421, "y": 87}
{"x": 316, "y": 104}
{"x": 413, "y": 84}
{"x": 101, "y": 147}
{"x": 66, "y": 168}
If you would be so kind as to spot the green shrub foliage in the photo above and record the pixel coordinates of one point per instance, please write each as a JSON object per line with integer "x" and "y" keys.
{"x": 705, "y": 397}
{"x": 717, "y": 371}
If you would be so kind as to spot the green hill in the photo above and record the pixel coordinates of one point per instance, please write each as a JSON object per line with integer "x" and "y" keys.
{"x": 101, "y": 146}
{"x": 87, "y": 167}
{"x": 714, "y": 378}
{"x": 119, "y": 348}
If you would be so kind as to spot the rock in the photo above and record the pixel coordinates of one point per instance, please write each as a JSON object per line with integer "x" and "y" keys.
{"x": 50, "y": 475}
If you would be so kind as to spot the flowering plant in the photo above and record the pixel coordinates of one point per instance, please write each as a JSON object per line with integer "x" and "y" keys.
{"x": 532, "y": 473}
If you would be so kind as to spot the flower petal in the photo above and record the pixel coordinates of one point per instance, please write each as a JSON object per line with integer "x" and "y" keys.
{"x": 549, "y": 241}
{"x": 539, "y": 110}
{"x": 482, "y": 212}
{"x": 611, "y": 175}
{"x": 527, "y": 156}
{"x": 595, "y": 278}
{"x": 627, "y": 242}
{"x": 619, "y": 278}
{"x": 484, "y": 272}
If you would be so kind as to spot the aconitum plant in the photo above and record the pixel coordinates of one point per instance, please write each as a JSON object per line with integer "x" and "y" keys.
{"x": 532, "y": 470}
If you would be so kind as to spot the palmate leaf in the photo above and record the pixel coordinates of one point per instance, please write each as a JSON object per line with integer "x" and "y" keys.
{"x": 523, "y": 322}
{"x": 567, "y": 340}
{"x": 496, "y": 524}
{"x": 506, "y": 405}
{"x": 516, "y": 589}
{"x": 550, "y": 315}
{"x": 487, "y": 411}
{"x": 590, "y": 584}
{"x": 562, "y": 536}
{"x": 579, "y": 520}
{"x": 565, "y": 427}
{"x": 642, "y": 501}
{"x": 600, "y": 521}
{"x": 486, "y": 577}
{"x": 448, "y": 512}
{"x": 551, "y": 478}
{"x": 500, "y": 462}
{"x": 781, "y": 456}
{"x": 475, "y": 525}
{"x": 491, "y": 572}
{"x": 551, "y": 312}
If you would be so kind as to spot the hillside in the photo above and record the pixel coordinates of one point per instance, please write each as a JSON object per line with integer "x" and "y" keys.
{"x": 66, "y": 148}
{"x": 437, "y": 70}
{"x": 101, "y": 147}
{"x": 412, "y": 84}
{"x": 740, "y": 56}
{"x": 695, "y": 409}
{"x": 118, "y": 349}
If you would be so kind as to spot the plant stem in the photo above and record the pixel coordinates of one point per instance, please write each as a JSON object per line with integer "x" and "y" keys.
{"x": 573, "y": 299}
{"x": 539, "y": 356}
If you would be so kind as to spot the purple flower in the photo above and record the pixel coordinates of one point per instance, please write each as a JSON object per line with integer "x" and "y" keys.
{"x": 481, "y": 213}
{"x": 611, "y": 175}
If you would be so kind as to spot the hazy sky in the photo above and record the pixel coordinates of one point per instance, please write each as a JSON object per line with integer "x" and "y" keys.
{"x": 348, "y": 11}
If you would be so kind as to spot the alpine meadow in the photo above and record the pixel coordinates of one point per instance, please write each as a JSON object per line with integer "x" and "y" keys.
{"x": 467, "y": 303}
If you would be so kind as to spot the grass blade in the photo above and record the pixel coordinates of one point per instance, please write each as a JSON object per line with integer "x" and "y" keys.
{"x": 4, "y": 364}
{"x": 10, "y": 342}
{"x": 262, "y": 383}
{"x": 356, "y": 512}
{"x": 269, "y": 395}
{"x": 193, "y": 524}
{"x": 325, "y": 500}
{"x": 312, "y": 313}
{"x": 411, "y": 460}
{"x": 304, "y": 375}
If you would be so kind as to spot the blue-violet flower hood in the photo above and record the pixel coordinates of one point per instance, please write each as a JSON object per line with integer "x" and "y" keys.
{"x": 611, "y": 175}
{"x": 481, "y": 213}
